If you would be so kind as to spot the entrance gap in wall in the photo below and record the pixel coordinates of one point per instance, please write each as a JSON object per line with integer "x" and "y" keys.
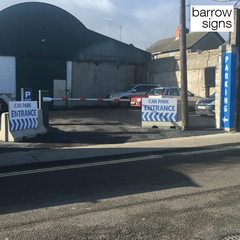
{"x": 59, "y": 91}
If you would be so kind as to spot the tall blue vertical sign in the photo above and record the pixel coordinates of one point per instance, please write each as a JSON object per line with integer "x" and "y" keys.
{"x": 228, "y": 90}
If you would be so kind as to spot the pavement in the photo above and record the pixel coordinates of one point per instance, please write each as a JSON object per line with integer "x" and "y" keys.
{"x": 101, "y": 150}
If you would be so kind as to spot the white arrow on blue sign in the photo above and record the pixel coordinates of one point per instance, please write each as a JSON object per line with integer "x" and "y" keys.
{"x": 159, "y": 117}
{"x": 19, "y": 124}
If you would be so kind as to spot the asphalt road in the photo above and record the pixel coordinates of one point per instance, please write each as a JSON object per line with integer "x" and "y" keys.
{"x": 90, "y": 125}
{"x": 188, "y": 195}
{"x": 104, "y": 125}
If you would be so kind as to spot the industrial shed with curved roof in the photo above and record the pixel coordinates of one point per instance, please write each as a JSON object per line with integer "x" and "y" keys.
{"x": 35, "y": 29}
{"x": 40, "y": 41}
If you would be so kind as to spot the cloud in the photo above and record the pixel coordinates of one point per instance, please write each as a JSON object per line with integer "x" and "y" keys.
{"x": 150, "y": 22}
{"x": 103, "y": 6}
{"x": 100, "y": 5}
{"x": 142, "y": 22}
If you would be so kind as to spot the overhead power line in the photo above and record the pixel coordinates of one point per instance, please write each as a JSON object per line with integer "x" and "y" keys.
{"x": 170, "y": 24}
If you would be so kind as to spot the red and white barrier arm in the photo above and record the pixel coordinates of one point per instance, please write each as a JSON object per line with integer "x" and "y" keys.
{"x": 49, "y": 99}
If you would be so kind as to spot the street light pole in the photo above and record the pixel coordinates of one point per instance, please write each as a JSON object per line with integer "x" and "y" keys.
{"x": 110, "y": 19}
{"x": 120, "y": 33}
{"x": 183, "y": 65}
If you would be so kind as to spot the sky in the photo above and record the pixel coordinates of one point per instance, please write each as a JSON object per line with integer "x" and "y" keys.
{"x": 139, "y": 22}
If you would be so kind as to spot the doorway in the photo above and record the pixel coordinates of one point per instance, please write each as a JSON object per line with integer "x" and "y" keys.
{"x": 59, "y": 91}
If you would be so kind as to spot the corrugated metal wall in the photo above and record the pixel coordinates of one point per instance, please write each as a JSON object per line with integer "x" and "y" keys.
{"x": 38, "y": 74}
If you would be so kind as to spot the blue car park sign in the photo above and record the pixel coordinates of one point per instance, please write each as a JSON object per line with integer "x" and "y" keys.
{"x": 27, "y": 95}
{"x": 23, "y": 115}
{"x": 228, "y": 90}
{"x": 159, "y": 109}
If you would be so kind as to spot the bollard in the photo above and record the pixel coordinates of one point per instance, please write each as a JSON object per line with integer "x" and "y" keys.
{"x": 45, "y": 107}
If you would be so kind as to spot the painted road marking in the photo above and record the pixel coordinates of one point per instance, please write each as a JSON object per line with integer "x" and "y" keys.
{"x": 43, "y": 170}
{"x": 209, "y": 151}
{"x": 126, "y": 160}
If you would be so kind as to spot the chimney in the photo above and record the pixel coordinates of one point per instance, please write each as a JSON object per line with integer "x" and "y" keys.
{"x": 178, "y": 32}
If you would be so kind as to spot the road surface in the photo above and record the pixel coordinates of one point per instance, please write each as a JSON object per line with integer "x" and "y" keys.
{"x": 185, "y": 195}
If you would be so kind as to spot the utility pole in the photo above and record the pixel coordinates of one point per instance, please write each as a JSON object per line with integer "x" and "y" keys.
{"x": 183, "y": 65}
{"x": 189, "y": 15}
{"x": 120, "y": 33}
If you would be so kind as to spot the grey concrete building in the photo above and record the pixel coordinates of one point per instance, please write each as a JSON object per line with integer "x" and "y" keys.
{"x": 202, "y": 58}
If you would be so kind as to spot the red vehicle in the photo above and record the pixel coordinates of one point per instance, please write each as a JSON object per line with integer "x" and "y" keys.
{"x": 137, "y": 101}
{"x": 166, "y": 92}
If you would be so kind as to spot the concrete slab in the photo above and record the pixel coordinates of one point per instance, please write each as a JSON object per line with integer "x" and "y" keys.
{"x": 16, "y": 158}
{"x": 13, "y": 136}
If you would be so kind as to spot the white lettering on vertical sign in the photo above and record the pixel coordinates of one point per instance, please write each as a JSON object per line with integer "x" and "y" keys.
{"x": 226, "y": 84}
{"x": 228, "y": 90}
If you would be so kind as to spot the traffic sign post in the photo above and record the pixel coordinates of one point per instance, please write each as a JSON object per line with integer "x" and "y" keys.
{"x": 26, "y": 94}
{"x": 44, "y": 105}
{"x": 228, "y": 89}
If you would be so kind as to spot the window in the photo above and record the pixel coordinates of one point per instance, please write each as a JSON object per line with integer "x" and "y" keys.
{"x": 166, "y": 92}
{"x": 157, "y": 91}
{"x": 140, "y": 89}
{"x": 143, "y": 88}
{"x": 174, "y": 92}
{"x": 147, "y": 88}
{"x": 129, "y": 88}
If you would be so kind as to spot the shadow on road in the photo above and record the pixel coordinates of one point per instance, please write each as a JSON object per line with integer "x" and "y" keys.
{"x": 28, "y": 192}
{"x": 32, "y": 191}
{"x": 95, "y": 183}
{"x": 100, "y": 136}
{"x": 103, "y": 125}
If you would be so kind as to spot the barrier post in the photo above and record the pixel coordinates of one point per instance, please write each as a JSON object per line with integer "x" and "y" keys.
{"x": 44, "y": 106}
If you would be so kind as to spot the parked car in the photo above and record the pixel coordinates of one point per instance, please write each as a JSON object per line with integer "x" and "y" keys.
{"x": 206, "y": 106}
{"x": 137, "y": 101}
{"x": 166, "y": 92}
{"x": 131, "y": 91}
{"x": 3, "y": 106}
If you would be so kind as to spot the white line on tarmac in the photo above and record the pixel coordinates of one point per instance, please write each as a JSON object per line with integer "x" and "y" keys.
{"x": 209, "y": 151}
{"x": 43, "y": 170}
